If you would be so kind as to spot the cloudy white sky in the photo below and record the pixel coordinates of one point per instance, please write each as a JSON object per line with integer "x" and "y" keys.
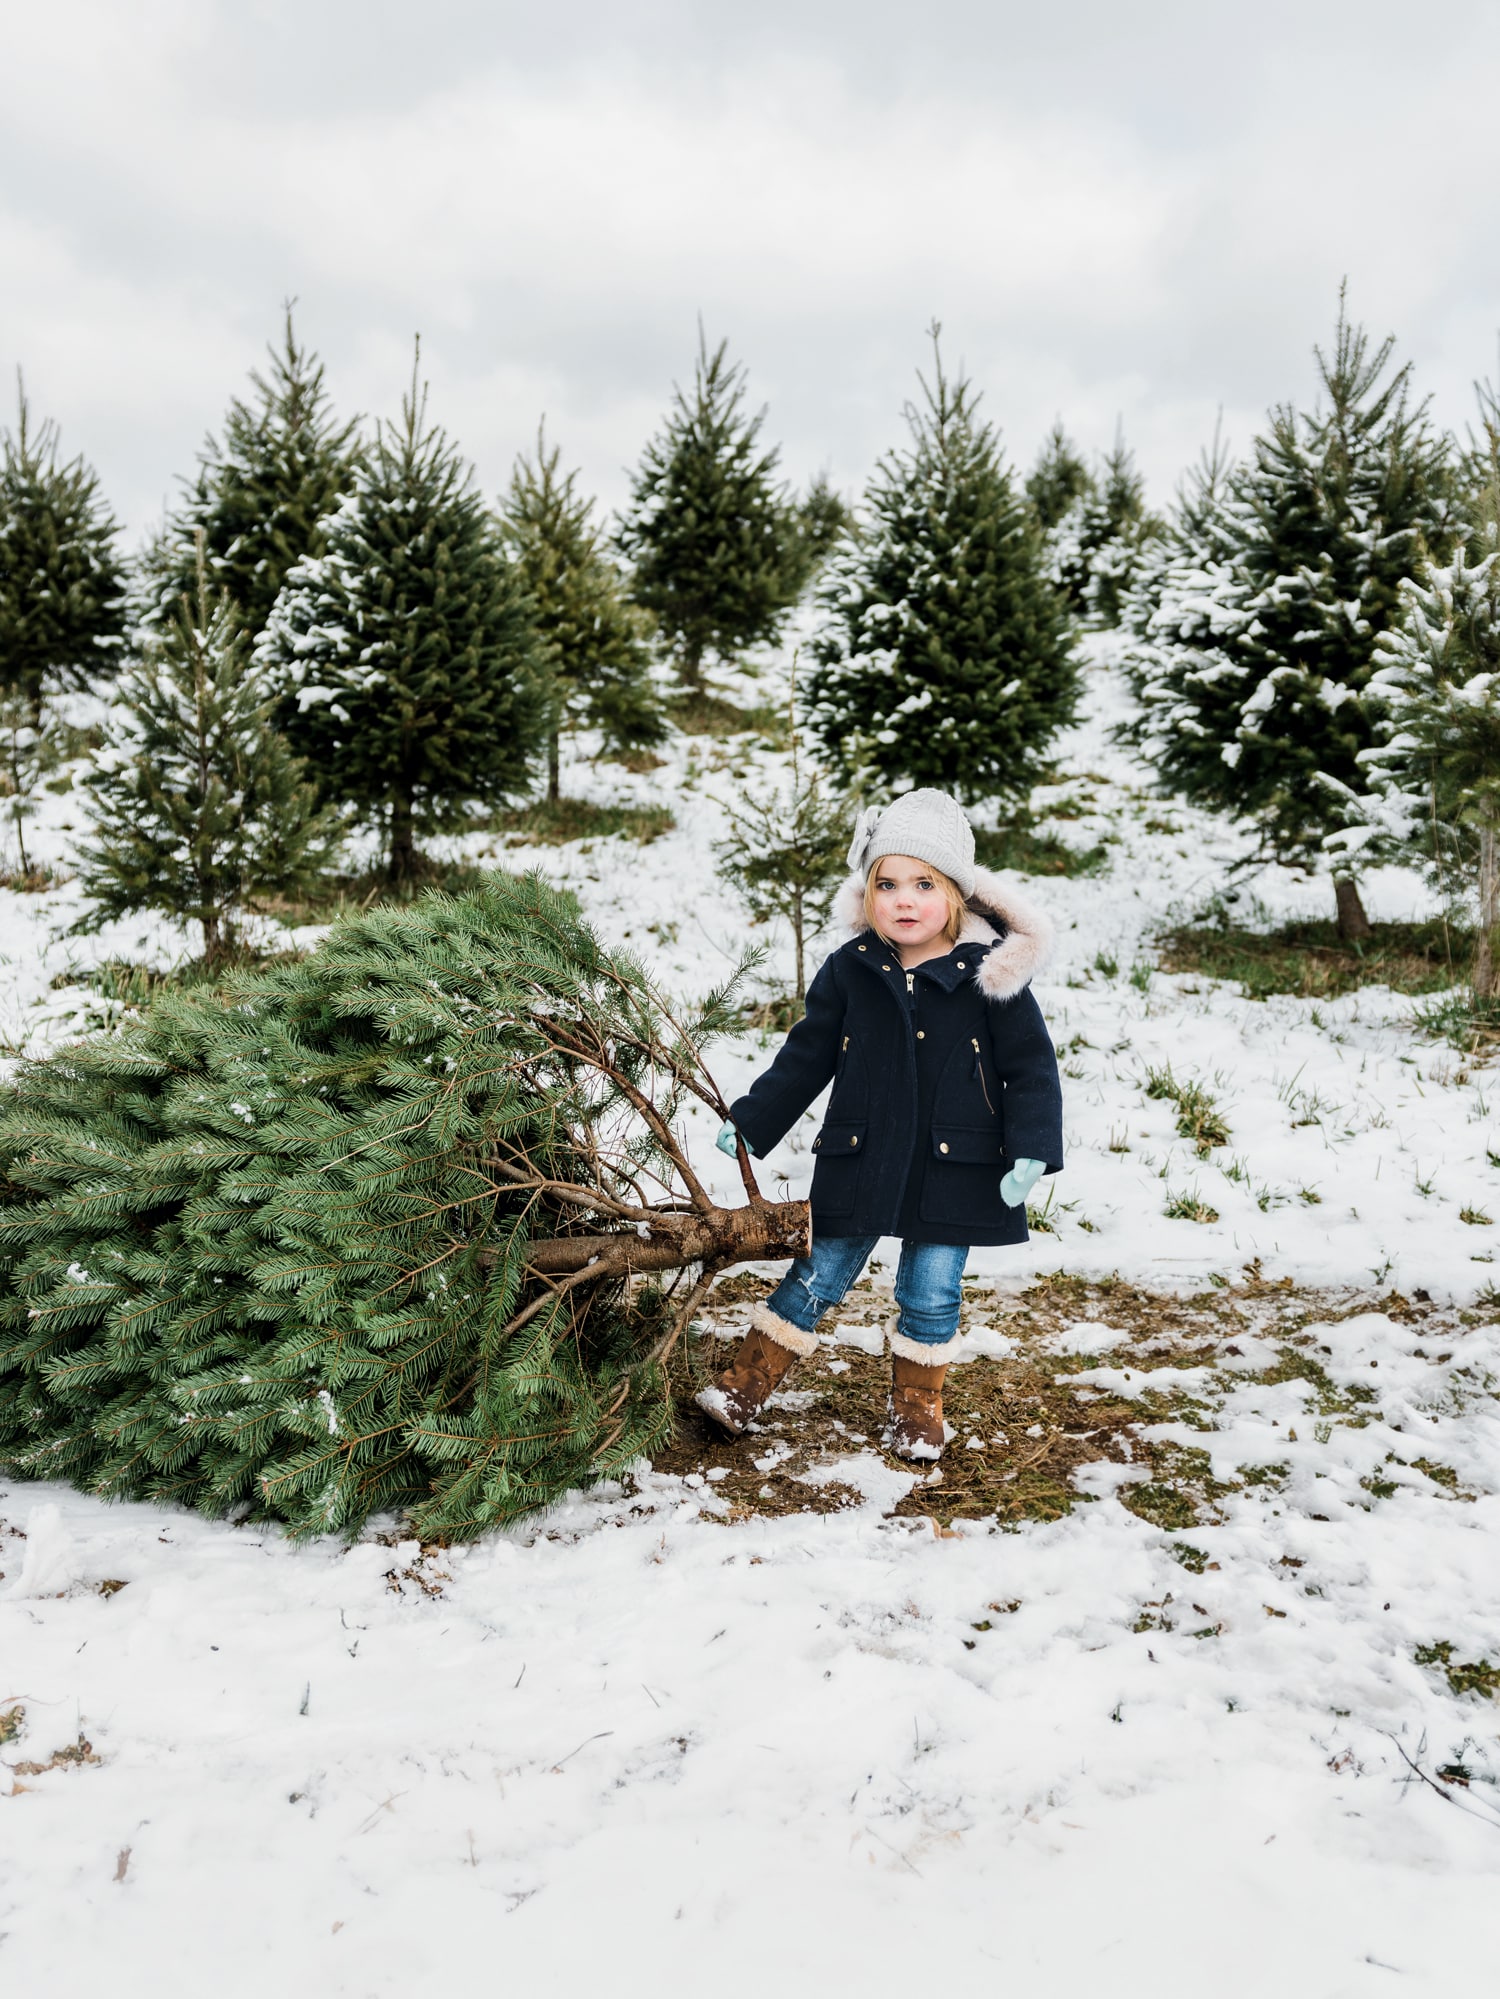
{"x": 1137, "y": 211}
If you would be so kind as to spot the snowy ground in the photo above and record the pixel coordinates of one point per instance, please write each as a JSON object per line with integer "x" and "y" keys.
{"x": 650, "y": 1741}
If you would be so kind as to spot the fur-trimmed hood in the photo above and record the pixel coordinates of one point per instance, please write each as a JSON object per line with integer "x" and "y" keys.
{"x": 1021, "y": 936}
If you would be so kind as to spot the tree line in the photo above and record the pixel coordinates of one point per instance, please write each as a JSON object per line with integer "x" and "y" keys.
{"x": 333, "y": 628}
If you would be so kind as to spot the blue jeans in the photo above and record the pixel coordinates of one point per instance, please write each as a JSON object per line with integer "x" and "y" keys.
{"x": 928, "y": 1290}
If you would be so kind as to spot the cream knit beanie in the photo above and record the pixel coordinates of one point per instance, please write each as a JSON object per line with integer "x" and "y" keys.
{"x": 928, "y": 825}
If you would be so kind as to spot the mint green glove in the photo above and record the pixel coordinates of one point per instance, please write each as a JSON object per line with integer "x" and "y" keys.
{"x": 729, "y": 1138}
{"x": 1020, "y": 1180}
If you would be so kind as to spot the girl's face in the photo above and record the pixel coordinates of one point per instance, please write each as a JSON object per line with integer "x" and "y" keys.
{"x": 911, "y": 906}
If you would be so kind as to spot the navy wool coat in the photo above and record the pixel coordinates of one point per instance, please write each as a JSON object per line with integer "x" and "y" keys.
{"x": 942, "y": 1078}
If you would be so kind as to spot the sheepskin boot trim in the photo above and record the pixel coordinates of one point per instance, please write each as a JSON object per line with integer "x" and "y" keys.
{"x": 916, "y": 1428}
{"x": 926, "y": 1353}
{"x": 785, "y": 1334}
{"x": 739, "y": 1394}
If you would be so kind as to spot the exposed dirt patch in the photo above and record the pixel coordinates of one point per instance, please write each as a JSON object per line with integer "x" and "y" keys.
{"x": 1034, "y": 1423}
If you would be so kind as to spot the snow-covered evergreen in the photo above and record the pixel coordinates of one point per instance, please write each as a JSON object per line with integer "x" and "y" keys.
{"x": 196, "y": 803}
{"x": 409, "y": 669}
{"x": 1098, "y": 542}
{"x": 944, "y": 654}
{"x": 1253, "y": 667}
{"x": 259, "y": 495}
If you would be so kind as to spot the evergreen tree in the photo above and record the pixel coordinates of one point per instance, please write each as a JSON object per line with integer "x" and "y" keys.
{"x": 260, "y": 495}
{"x": 366, "y": 1231}
{"x": 1300, "y": 574}
{"x": 1059, "y": 478}
{"x": 598, "y": 660}
{"x": 1099, "y": 542}
{"x": 61, "y": 581}
{"x": 786, "y": 847}
{"x": 944, "y": 656}
{"x": 409, "y": 667}
{"x": 819, "y": 521}
{"x": 196, "y": 804}
{"x": 1433, "y": 773}
{"x": 708, "y": 532}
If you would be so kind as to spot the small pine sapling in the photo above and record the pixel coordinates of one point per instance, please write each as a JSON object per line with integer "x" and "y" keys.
{"x": 785, "y": 852}
{"x": 196, "y": 803}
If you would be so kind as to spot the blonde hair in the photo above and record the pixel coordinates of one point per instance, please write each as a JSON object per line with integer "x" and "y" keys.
{"x": 958, "y": 908}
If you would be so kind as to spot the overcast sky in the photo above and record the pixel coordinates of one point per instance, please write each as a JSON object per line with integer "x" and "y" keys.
{"x": 1138, "y": 212}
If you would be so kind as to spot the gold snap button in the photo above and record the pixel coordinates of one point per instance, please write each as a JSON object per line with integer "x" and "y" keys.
{"x": 921, "y": 1034}
{"x": 885, "y": 968}
{"x": 816, "y": 1143}
{"x": 942, "y": 1147}
{"x": 962, "y": 966}
{"x": 854, "y": 1141}
{"x": 861, "y": 947}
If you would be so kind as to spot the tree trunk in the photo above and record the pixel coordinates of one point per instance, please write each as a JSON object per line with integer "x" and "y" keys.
{"x": 1354, "y": 925}
{"x": 403, "y": 862}
{"x": 797, "y": 929}
{"x": 692, "y": 665}
{"x": 213, "y": 936}
{"x": 554, "y": 771}
{"x": 715, "y": 1237}
{"x": 1487, "y": 943}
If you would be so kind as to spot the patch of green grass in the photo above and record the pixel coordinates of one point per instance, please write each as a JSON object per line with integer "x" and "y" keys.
{"x": 1194, "y": 1560}
{"x": 1475, "y": 1217}
{"x": 1186, "y": 1206}
{"x": 1198, "y": 1116}
{"x": 1464, "y": 1676}
{"x": 701, "y": 712}
{"x": 1181, "y": 1488}
{"x": 1458, "y": 1017}
{"x": 1106, "y": 966}
{"x": 1352, "y": 1404}
{"x": 555, "y": 822}
{"x": 12, "y": 1721}
{"x": 1311, "y": 960}
{"x": 1029, "y": 852}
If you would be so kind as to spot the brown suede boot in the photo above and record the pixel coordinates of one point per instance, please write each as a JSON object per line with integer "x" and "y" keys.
{"x": 916, "y": 1427}
{"x": 739, "y": 1394}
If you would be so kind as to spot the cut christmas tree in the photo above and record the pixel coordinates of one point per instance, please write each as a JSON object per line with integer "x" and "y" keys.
{"x": 406, "y": 1226}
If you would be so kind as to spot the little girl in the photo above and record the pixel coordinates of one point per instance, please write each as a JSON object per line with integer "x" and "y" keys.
{"x": 946, "y": 1106}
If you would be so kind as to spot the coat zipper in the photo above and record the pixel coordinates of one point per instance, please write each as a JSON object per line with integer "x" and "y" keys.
{"x": 979, "y": 1072}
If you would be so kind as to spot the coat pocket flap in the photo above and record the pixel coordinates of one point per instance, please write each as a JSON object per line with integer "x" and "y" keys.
{"x": 844, "y": 1138}
{"x": 966, "y": 1146}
